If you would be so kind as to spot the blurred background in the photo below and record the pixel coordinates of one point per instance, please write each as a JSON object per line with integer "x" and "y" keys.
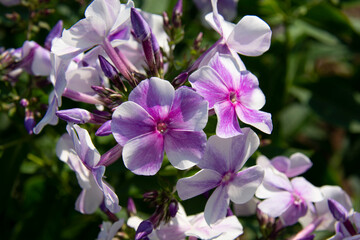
{"x": 310, "y": 77}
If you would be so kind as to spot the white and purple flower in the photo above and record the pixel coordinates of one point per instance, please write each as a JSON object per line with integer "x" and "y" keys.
{"x": 158, "y": 118}
{"x": 78, "y": 151}
{"x": 231, "y": 93}
{"x": 222, "y": 160}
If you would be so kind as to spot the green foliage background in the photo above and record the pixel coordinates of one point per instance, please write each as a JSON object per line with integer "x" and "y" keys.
{"x": 310, "y": 77}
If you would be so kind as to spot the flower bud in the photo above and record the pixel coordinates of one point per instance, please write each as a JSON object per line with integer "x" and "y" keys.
{"x": 141, "y": 28}
{"x": 54, "y": 33}
{"x": 131, "y": 207}
{"x": 173, "y": 208}
{"x": 177, "y": 13}
{"x": 337, "y": 210}
{"x": 75, "y": 115}
{"x": 24, "y": 102}
{"x": 104, "y": 130}
{"x": 144, "y": 229}
{"x": 29, "y": 121}
{"x": 111, "y": 156}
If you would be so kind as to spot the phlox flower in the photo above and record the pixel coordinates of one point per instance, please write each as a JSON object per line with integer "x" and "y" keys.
{"x": 231, "y": 93}
{"x": 286, "y": 199}
{"x": 82, "y": 157}
{"x": 222, "y": 160}
{"x": 158, "y": 118}
{"x": 182, "y": 226}
{"x": 251, "y": 36}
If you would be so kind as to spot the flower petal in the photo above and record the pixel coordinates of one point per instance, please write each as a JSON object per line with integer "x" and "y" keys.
{"x": 110, "y": 198}
{"x": 251, "y": 36}
{"x": 184, "y": 148}
{"x": 227, "y": 125}
{"x": 260, "y": 120}
{"x": 143, "y": 155}
{"x": 197, "y": 184}
{"x": 276, "y": 205}
{"x": 83, "y": 145}
{"x": 89, "y": 199}
{"x": 189, "y": 111}
{"x": 216, "y": 206}
{"x": 207, "y": 82}
{"x": 296, "y": 165}
{"x": 229, "y": 154}
{"x": 227, "y": 67}
{"x": 306, "y": 190}
{"x": 250, "y": 94}
{"x": 155, "y": 95}
{"x": 242, "y": 188}
{"x": 130, "y": 120}
{"x": 293, "y": 213}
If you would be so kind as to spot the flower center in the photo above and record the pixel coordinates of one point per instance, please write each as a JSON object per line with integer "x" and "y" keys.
{"x": 227, "y": 178}
{"x": 232, "y": 97}
{"x": 161, "y": 127}
{"x": 297, "y": 199}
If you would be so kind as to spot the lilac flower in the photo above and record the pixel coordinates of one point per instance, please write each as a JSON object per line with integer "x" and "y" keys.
{"x": 108, "y": 230}
{"x": 286, "y": 199}
{"x": 222, "y": 160}
{"x": 231, "y": 92}
{"x": 182, "y": 226}
{"x": 86, "y": 161}
{"x": 297, "y": 164}
{"x": 158, "y": 118}
{"x": 250, "y": 37}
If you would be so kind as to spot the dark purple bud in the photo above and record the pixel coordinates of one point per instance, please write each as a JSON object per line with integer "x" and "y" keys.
{"x": 158, "y": 55}
{"x": 29, "y": 121}
{"x": 24, "y": 102}
{"x": 108, "y": 69}
{"x": 149, "y": 196}
{"x": 141, "y": 28}
{"x": 177, "y": 13}
{"x": 180, "y": 79}
{"x": 104, "y": 130}
{"x": 75, "y": 115}
{"x": 166, "y": 20}
{"x": 173, "y": 208}
{"x": 144, "y": 229}
{"x": 111, "y": 156}
{"x": 338, "y": 211}
{"x": 54, "y": 33}
{"x": 131, "y": 207}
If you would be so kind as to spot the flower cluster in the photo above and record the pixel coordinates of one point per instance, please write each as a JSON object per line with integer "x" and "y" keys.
{"x": 117, "y": 61}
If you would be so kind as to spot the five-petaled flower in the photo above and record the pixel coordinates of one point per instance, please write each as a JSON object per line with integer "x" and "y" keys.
{"x": 158, "y": 118}
{"x": 222, "y": 160}
{"x": 231, "y": 92}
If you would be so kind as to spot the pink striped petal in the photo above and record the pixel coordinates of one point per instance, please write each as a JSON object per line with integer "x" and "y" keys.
{"x": 143, "y": 155}
{"x": 228, "y": 125}
{"x": 260, "y": 120}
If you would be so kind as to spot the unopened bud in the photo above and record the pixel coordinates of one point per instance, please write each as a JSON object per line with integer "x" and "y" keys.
{"x": 104, "y": 129}
{"x": 173, "y": 208}
{"x": 54, "y": 33}
{"x": 338, "y": 211}
{"x": 180, "y": 79}
{"x": 24, "y": 102}
{"x": 29, "y": 121}
{"x": 144, "y": 229}
{"x": 141, "y": 28}
{"x": 177, "y": 13}
{"x": 131, "y": 207}
{"x": 75, "y": 115}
